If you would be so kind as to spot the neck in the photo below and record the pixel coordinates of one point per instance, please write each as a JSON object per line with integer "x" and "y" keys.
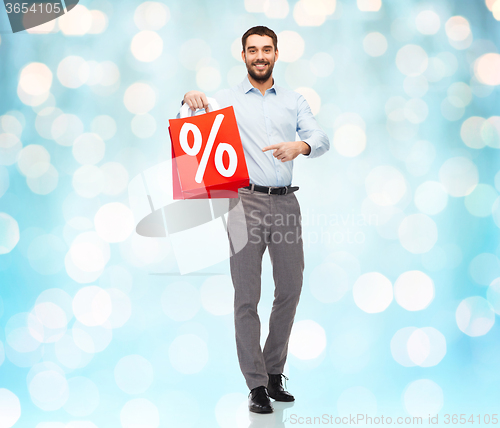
{"x": 261, "y": 86}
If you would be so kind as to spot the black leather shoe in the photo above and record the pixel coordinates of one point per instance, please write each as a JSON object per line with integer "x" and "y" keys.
{"x": 275, "y": 388}
{"x": 258, "y": 400}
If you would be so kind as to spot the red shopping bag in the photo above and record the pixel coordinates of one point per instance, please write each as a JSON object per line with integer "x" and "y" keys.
{"x": 207, "y": 155}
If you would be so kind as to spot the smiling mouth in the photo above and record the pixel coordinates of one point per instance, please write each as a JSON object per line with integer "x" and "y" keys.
{"x": 260, "y": 66}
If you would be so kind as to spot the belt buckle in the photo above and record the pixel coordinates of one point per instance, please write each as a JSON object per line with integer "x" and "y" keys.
{"x": 286, "y": 190}
{"x": 269, "y": 190}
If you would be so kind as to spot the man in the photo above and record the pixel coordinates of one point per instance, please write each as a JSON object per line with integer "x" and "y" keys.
{"x": 268, "y": 118}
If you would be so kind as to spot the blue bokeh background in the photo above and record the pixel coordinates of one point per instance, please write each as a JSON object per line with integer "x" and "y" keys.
{"x": 398, "y": 315}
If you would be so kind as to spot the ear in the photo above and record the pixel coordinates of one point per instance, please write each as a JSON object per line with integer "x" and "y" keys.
{"x": 243, "y": 56}
{"x": 276, "y": 55}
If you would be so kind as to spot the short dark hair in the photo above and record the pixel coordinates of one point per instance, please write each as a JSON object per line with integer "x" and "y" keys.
{"x": 260, "y": 31}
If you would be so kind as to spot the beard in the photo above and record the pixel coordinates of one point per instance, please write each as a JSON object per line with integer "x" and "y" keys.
{"x": 261, "y": 78}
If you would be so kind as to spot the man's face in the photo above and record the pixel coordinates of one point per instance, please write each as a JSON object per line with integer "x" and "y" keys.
{"x": 259, "y": 57}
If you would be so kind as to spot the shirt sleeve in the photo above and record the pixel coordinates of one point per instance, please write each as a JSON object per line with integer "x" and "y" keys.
{"x": 309, "y": 130}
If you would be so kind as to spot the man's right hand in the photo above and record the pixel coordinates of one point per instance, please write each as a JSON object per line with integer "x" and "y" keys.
{"x": 196, "y": 100}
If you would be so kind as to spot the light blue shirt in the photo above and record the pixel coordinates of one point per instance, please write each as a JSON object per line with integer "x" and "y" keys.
{"x": 269, "y": 119}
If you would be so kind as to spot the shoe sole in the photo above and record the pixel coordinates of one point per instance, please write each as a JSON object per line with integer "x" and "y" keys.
{"x": 261, "y": 411}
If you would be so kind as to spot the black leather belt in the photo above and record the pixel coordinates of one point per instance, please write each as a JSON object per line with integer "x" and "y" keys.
{"x": 272, "y": 190}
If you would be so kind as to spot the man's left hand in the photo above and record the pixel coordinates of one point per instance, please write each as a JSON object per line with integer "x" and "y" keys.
{"x": 289, "y": 150}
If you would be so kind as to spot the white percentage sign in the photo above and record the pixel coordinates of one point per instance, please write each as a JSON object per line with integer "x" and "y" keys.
{"x": 219, "y": 152}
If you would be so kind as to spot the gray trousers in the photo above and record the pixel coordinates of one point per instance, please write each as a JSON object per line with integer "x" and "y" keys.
{"x": 273, "y": 222}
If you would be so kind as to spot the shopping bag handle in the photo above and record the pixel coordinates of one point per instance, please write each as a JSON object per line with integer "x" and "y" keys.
{"x": 187, "y": 112}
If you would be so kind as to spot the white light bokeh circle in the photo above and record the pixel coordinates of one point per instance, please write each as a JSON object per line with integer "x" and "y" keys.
{"x": 88, "y": 149}
{"x": 428, "y": 22}
{"x": 470, "y": 132}
{"x": 305, "y": 14}
{"x": 45, "y": 183}
{"x": 457, "y": 28}
{"x": 115, "y": 178}
{"x": 151, "y": 15}
{"x": 53, "y": 320}
{"x": 484, "y": 268}
{"x": 35, "y": 79}
{"x": 349, "y": 140}
{"x": 426, "y": 346}
{"x": 139, "y": 98}
{"x": 33, "y": 160}
{"x": 414, "y": 290}
{"x": 486, "y": 69}
{"x": 23, "y": 332}
{"x": 217, "y": 295}
{"x": 291, "y": 46}
{"x": 114, "y": 222}
{"x": 73, "y": 71}
{"x": 459, "y": 176}
{"x": 385, "y": 185}
{"x": 92, "y": 306}
{"x": 431, "y": 197}
{"x": 188, "y": 354}
{"x": 9, "y": 233}
{"x": 49, "y": 390}
{"x": 412, "y": 60}
{"x": 369, "y": 5}
{"x": 139, "y": 412}
{"x": 480, "y": 201}
{"x": 77, "y": 23}
{"x": 372, "y": 292}
{"x": 146, "y": 46}
{"x": 307, "y": 340}
{"x": 475, "y": 316}
{"x": 375, "y": 44}
{"x": 11, "y": 124}
{"x": 418, "y": 233}
{"x": 89, "y": 252}
{"x": 10, "y": 408}
{"x": 133, "y": 374}
{"x": 99, "y": 22}
{"x": 64, "y": 128}
{"x": 180, "y": 301}
{"x": 60, "y": 298}
{"x": 493, "y": 295}
{"x": 423, "y": 397}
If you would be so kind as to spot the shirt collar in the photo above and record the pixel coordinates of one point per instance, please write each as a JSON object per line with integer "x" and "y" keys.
{"x": 247, "y": 85}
